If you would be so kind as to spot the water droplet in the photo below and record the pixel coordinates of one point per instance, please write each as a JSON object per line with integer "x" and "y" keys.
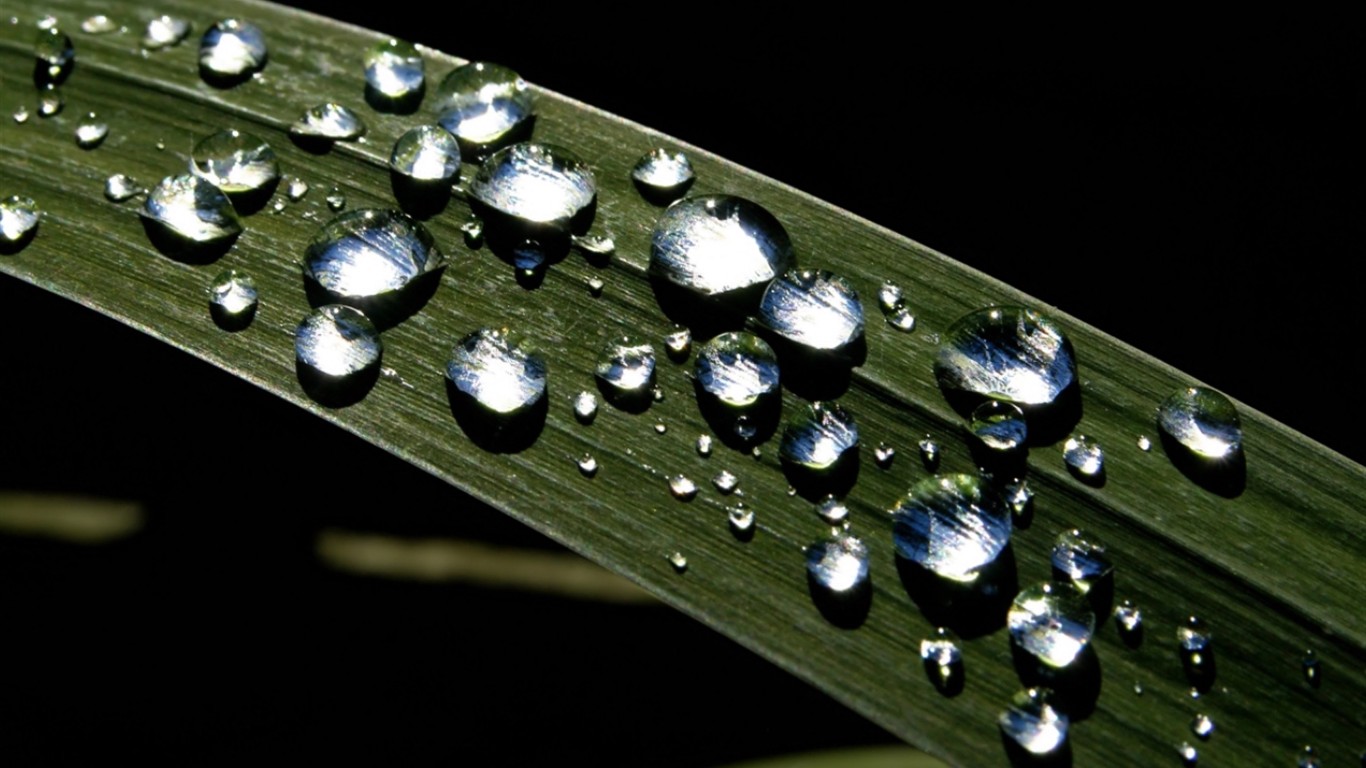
{"x": 998, "y": 425}
{"x": 1194, "y": 693}
{"x": 279, "y": 207}
{"x": 1203, "y": 421}
{"x": 165, "y": 32}
{"x": 1313, "y": 669}
{"x": 661, "y": 428}
{"x": 1020, "y": 497}
{"x": 832, "y": 510}
{"x": 498, "y": 370}
{"x": 192, "y": 209}
{"x": 678, "y": 344}
{"x": 120, "y": 188}
{"x": 1202, "y": 726}
{"x": 1195, "y": 643}
{"x": 328, "y": 121}
{"x": 595, "y": 286}
{"x": 725, "y": 482}
{"x": 91, "y": 132}
{"x": 626, "y": 369}
{"x": 55, "y": 55}
{"x": 943, "y": 661}
{"x": 884, "y": 454}
{"x": 1083, "y": 456}
{"x": 231, "y": 51}
{"x": 718, "y": 244}
{"x": 1033, "y": 724}
{"x": 394, "y": 72}
{"x": 535, "y": 184}
{"x": 484, "y": 105}
{"x": 337, "y": 341}
{"x": 737, "y": 368}
{"x": 21, "y": 114}
{"x": 99, "y": 24}
{"x": 1081, "y": 559}
{"x": 1189, "y": 755}
{"x": 679, "y": 562}
{"x": 1138, "y": 689}
{"x": 682, "y": 488}
{"x": 838, "y": 566}
{"x": 50, "y": 101}
{"x": 1006, "y": 353}
{"x": 19, "y": 218}
{"x": 1144, "y": 444}
{"x": 235, "y": 162}
{"x": 232, "y": 299}
{"x": 891, "y": 300}
{"x": 474, "y": 232}
{"x": 295, "y": 189}
{"x": 1310, "y": 759}
{"x": 662, "y": 176}
{"x": 160, "y": 145}
{"x": 929, "y": 454}
{"x": 657, "y": 394}
{"x": 588, "y": 466}
{"x": 819, "y": 436}
{"x": 585, "y": 407}
{"x": 1129, "y": 623}
{"x": 369, "y": 253}
{"x": 1051, "y": 622}
{"x": 814, "y": 308}
{"x": 46, "y": 21}
{"x": 704, "y": 445}
{"x": 741, "y": 521}
{"x": 426, "y": 154}
{"x": 953, "y": 525}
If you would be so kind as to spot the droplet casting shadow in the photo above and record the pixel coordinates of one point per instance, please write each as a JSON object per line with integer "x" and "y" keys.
{"x": 252, "y": 201}
{"x": 1048, "y": 424}
{"x": 1199, "y": 667}
{"x": 177, "y": 248}
{"x": 950, "y": 684}
{"x": 816, "y": 374}
{"x": 1132, "y": 638}
{"x": 762, "y": 417}
{"x": 663, "y": 197}
{"x": 846, "y": 610}
{"x": 421, "y": 199}
{"x": 497, "y": 432}
{"x": 336, "y": 391}
{"x": 1014, "y": 463}
{"x": 524, "y": 246}
{"x": 1100, "y": 597}
{"x": 403, "y": 105}
{"x": 230, "y": 322}
{"x": 815, "y": 484}
{"x": 1076, "y": 687}
{"x": 386, "y": 310}
{"x": 1019, "y": 758}
{"x": 313, "y": 145}
{"x": 971, "y": 610}
{"x": 10, "y": 248}
{"x": 707, "y": 316}
{"x": 1227, "y": 477}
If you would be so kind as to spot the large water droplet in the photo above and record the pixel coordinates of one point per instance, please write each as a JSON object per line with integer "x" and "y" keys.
{"x": 426, "y": 154}
{"x": 91, "y": 131}
{"x": 369, "y": 254}
{"x": 953, "y": 525}
{"x": 99, "y": 24}
{"x": 838, "y": 566}
{"x": 395, "y": 74}
{"x": 19, "y": 218}
{"x": 718, "y": 244}
{"x": 193, "y": 210}
{"x": 998, "y": 425}
{"x": 484, "y": 105}
{"x": 1006, "y": 353}
{"x": 328, "y": 121}
{"x": 164, "y": 32}
{"x": 498, "y": 370}
{"x": 232, "y": 300}
{"x": 120, "y": 188}
{"x": 337, "y": 341}
{"x": 943, "y": 661}
{"x": 1080, "y": 559}
{"x": 626, "y": 369}
{"x": 737, "y": 368}
{"x": 819, "y": 436}
{"x": 1033, "y": 724}
{"x": 240, "y": 164}
{"x": 1051, "y": 622}
{"x": 539, "y": 184}
{"x": 1084, "y": 457}
{"x": 1202, "y": 726}
{"x": 55, "y": 56}
{"x": 682, "y": 487}
{"x": 231, "y": 51}
{"x": 1203, "y": 421}
{"x": 662, "y": 176}
{"x": 585, "y": 407}
{"x": 814, "y": 308}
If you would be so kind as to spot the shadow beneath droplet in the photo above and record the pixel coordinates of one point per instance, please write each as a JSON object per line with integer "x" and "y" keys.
{"x": 1200, "y": 668}
{"x": 1133, "y": 638}
{"x": 1012, "y": 463}
{"x": 386, "y": 310}
{"x": 1100, "y": 596}
{"x": 740, "y": 428}
{"x": 313, "y": 145}
{"x": 816, "y": 374}
{"x": 815, "y": 484}
{"x": 406, "y": 104}
{"x": 1225, "y": 477}
{"x": 1076, "y": 687}
{"x": 1048, "y": 424}
{"x": 707, "y": 316}
{"x": 949, "y": 680}
{"x": 1019, "y": 757}
{"x": 420, "y": 198}
{"x": 630, "y": 401}
{"x": 336, "y": 391}
{"x": 222, "y": 81}
{"x": 497, "y": 432}
{"x": 177, "y": 248}
{"x": 44, "y": 77}
{"x": 9, "y": 248}
{"x": 252, "y": 201}
{"x": 662, "y": 196}
{"x": 1095, "y": 480}
{"x": 971, "y": 609}
{"x": 525, "y": 246}
{"x": 846, "y": 610}
{"x": 231, "y": 322}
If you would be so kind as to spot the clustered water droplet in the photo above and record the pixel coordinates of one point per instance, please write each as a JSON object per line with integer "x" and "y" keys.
{"x": 483, "y": 106}
{"x": 819, "y": 436}
{"x": 891, "y": 299}
{"x": 535, "y": 183}
{"x": 838, "y": 566}
{"x": 1006, "y": 353}
{"x": 588, "y": 466}
{"x": 1129, "y": 623}
{"x": 883, "y": 455}
{"x": 1202, "y": 726}
{"x": 737, "y": 368}
{"x": 704, "y": 445}
{"x": 718, "y": 244}
{"x": 19, "y": 218}
{"x": 813, "y": 308}
{"x": 395, "y": 74}
{"x": 55, "y": 55}
{"x": 626, "y": 369}
{"x": 498, "y": 370}
{"x": 682, "y": 487}
{"x": 1051, "y": 622}
{"x": 295, "y": 189}
{"x": 1189, "y": 755}
{"x": 337, "y": 341}
{"x": 1084, "y": 457}
{"x": 998, "y": 425}
{"x": 231, "y": 50}
{"x": 741, "y": 521}
{"x": 1081, "y": 559}
{"x": 1033, "y": 724}
{"x": 192, "y": 209}
{"x": 1203, "y": 422}
{"x": 678, "y": 344}
{"x": 585, "y": 407}
{"x": 943, "y": 661}
{"x": 237, "y": 163}
{"x": 725, "y": 481}
{"x": 369, "y": 253}
{"x": 952, "y": 525}
{"x": 328, "y": 121}
{"x": 426, "y": 154}
{"x": 663, "y": 176}
{"x": 832, "y": 510}
{"x": 233, "y": 299}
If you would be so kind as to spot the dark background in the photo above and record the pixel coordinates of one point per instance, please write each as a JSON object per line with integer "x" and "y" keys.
{"x": 1195, "y": 192}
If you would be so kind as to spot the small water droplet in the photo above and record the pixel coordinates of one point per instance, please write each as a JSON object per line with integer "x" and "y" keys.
{"x": 737, "y": 368}
{"x": 426, "y": 154}
{"x": 1202, "y": 726}
{"x": 160, "y": 145}
{"x": 902, "y": 320}
{"x": 537, "y": 184}
{"x": 838, "y": 566}
{"x": 1138, "y": 689}
{"x": 585, "y": 407}
{"x": 718, "y": 244}
{"x": 813, "y": 308}
{"x": 678, "y": 344}
{"x": 19, "y": 218}
{"x": 1084, "y": 456}
{"x": 663, "y": 176}
{"x": 233, "y": 299}
{"x": 1081, "y": 559}
{"x": 682, "y": 488}
{"x": 1310, "y": 759}
{"x": 704, "y": 445}
{"x": 99, "y": 24}
{"x": 626, "y": 369}
{"x": 328, "y": 121}
{"x": 1033, "y": 724}
{"x": 21, "y": 114}
{"x": 237, "y": 163}
{"x": 295, "y": 189}
{"x": 369, "y": 253}
{"x": 832, "y": 510}
{"x": 595, "y": 286}
{"x": 929, "y": 454}
{"x": 890, "y": 297}
{"x": 1129, "y": 623}
{"x": 498, "y": 370}
{"x": 725, "y": 482}
{"x": 1203, "y": 421}
{"x": 661, "y": 428}
{"x": 1194, "y": 693}
{"x": 1189, "y": 755}
{"x": 483, "y": 105}
{"x": 192, "y": 209}
{"x": 884, "y": 454}
{"x": 164, "y": 32}
{"x": 1195, "y": 644}
{"x": 337, "y": 341}
{"x": 50, "y": 101}
{"x": 1006, "y": 353}
{"x": 741, "y": 521}
{"x": 657, "y": 394}
{"x": 953, "y": 525}
{"x": 231, "y": 51}
{"x": 335, "y": 200}
{"x": 279, "y": 207}
{"x": 600, "y": 245}
{"x": 998, "y": 425}
{"x": 55, "y": 55}
{"x": 1144, "y": 444}
{"x": 678, "y": 561}
{"x": 819, "y": 436}
{"x": 394, "y": 72}
{"x": 1020, "y": 497}
{"x": 1312, "y": 668}
{"x": 588, "y": 466}
{"x": 943, "y": 661}
{"x": 120, "y": 188}
{"x": 1051, "y": 622}
{"x": 91, "y": 132}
